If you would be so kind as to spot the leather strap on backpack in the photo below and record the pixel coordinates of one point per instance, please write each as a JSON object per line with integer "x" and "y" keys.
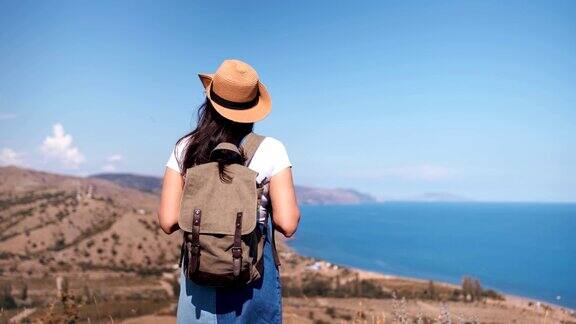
{"x": 193, "y": 243}
{"x": 237, "y": 246}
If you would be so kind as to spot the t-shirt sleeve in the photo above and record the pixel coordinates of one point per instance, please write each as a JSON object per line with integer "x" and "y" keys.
{"x": 279, "y": 157}
{"x": 172, "y": 162}
{"x": 177, "y": 155}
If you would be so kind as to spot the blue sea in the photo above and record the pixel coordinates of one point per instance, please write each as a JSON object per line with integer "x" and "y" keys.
{"x": 526, "y": 249}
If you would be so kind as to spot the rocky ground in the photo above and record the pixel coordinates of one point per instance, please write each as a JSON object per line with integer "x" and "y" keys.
{"x": 100, "y": 296}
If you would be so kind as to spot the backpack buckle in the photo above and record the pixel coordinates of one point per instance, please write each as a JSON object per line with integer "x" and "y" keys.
{"x": 237, "y": 252}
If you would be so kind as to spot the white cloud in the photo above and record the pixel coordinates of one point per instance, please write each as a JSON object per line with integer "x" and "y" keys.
{"x": 60, "y": 146}
{"x": 115, "y": 158}
{"x": 419, "y": 172}
{"x": 10, "y": 157}
{"x": 109, "y": 167}
{"x": 6, "y": 116}
{"x": 111, "y": 162}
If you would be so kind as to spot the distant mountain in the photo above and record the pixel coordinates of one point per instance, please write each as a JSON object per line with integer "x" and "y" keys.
{"x": 438, "y": 197}
{"x": 51, "y": 222}
{"x": 141, "y": 182}
{"x": 322, "y": 196}
{"x": 306, "y": 195}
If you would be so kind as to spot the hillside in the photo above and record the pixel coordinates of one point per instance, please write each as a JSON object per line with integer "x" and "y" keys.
{"x": 89, "y": 250}
{"x": 51, "y": 222}
{"x": 306, "y": 195}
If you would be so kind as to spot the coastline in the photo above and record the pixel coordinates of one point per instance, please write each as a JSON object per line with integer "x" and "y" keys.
{"x": 389, "y": 276}
{"x": 524, "y": 303}
{"x": 424, "y": 240}
{"x": 509, "y": 297}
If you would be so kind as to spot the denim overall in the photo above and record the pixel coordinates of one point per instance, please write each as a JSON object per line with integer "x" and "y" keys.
{"x": 258, "y": 302}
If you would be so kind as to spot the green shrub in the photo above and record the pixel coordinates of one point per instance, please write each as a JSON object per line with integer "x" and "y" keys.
{"x": 7, "y": 301}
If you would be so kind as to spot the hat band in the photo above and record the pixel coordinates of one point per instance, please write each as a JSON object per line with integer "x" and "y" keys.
{"x": 233, "y": 104}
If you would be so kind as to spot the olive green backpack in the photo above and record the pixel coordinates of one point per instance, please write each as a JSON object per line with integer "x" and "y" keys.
{"x": 223, "y": 246}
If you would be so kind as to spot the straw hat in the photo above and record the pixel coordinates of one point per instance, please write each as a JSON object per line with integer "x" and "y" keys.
{"x": 236, "y": 92}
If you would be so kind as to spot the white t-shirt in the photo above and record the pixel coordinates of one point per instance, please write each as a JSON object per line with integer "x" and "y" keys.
{"x": 270, "y": 158}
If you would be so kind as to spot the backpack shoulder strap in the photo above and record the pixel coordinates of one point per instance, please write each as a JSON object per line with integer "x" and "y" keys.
{"x": 249, "y": 145}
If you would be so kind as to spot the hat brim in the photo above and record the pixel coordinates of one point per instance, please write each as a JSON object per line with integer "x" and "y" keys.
{"x": 248, "y": 115}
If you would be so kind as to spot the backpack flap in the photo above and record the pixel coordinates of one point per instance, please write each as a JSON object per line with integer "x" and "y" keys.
{"x": 218, "y": 201}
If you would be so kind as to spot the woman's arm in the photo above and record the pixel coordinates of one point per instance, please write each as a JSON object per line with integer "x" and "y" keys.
{"x": 286, "y": 214}
{"x": 170, "y": 201}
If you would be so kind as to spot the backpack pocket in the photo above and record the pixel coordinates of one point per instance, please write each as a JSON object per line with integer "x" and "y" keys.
{"x": 212, "y": 262}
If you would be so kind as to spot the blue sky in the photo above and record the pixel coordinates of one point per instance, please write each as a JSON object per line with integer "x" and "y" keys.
{"x": 395, "y": 98}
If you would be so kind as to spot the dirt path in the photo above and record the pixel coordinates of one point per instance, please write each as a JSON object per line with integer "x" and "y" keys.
{"x": 151, "y": 319}
{"x": 22, "y": 315}
{"x": 427, "y": 306}
{"x": 167, "y": 287}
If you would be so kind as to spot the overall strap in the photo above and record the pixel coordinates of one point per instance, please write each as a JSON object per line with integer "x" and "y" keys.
{"x": 273, "y": 239}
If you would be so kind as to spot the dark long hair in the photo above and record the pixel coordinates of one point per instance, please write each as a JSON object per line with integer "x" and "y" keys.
{"x": 211, "y": 129}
